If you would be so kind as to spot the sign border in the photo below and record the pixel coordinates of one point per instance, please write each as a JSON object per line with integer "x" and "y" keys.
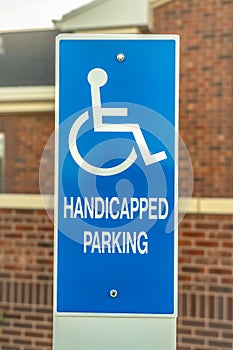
{"x": 67, "y": 36}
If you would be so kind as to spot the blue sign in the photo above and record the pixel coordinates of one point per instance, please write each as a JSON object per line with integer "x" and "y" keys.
{"x": 116, "y": 182}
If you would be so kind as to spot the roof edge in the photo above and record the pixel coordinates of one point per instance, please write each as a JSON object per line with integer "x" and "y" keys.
{"x": 100, "y": 14}
{"x": 79, "y": 10}
{"x": 29, "y": 30}
{"x": 157, "y": 3}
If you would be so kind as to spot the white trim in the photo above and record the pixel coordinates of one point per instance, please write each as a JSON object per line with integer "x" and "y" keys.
{"x": 210, "y": 206}
{"x": 26, "y": 93}
{"x": 218, "y": 206}
{"x": 176, "y": 177}
{"x": 2, "y": 49}
{"x": 11, "y": 107}
{"x": 189, "y": 206}
{"x": 56, "y": 184}
{"x": 2, "y": 159}
{"x": 113, "y": 315}
{"x": 25, "y": 201}
{"x": 27, "y": 99}
{"x": 158, "y": 3}
{"x": 67, "y": 36}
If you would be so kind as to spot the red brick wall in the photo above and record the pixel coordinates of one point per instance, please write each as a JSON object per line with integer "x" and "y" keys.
{"x": 206, "y": 88}
{"x": 205, "y": 281}
{"x": 26, "y": 267}
{"x": 25, "y": 137}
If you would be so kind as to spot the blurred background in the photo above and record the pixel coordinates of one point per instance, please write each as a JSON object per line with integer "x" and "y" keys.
{"x": 27, "y": 110}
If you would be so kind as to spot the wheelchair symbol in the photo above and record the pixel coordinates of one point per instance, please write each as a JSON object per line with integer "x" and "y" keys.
{"x": 97, "y": 78}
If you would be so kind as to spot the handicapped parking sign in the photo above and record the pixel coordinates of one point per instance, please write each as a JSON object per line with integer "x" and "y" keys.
{"x": 116, "y": 175}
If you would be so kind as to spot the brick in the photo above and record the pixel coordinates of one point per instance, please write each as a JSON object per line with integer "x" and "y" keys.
{"x": 4, "y": 339}
{"x": 22, "y": 325}
{"x": 206, "y": 244}
{"x": 193, "y": 269}
{"x": 220, "y": 271}
{"x": 22, "y": 341}
{"x": 228, "y": 244}
{"x": 34, "y": 334}
{"x": 220, "y": 289}
{"x": 193, "y": 234}
{"x": 227, "y": 280}
{"x": 34, "y": 317}
{"x": 192, "y": 252}
{"x": 220, "y": 325}
{"x": 221, "y": 344}
{"x": 184, "y": 331}
{"x": 11, "y": 332}
{"x": 192, "y": 340}
{"x": 207, "y": 333}
{"x": 43, "y": 343}
{"x": 227, "y": 335}
{"x": 207, "y": 225}
{"x": 193, "y": 323}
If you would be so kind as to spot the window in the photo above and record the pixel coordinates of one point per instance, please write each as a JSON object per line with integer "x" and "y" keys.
{"x": 2, "y": 155}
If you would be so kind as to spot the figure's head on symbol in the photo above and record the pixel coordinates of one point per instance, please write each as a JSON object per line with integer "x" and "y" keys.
{"x": 97, "y": 77}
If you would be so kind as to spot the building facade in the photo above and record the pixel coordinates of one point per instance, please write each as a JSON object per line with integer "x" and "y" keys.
{"x": 206, "y": 125}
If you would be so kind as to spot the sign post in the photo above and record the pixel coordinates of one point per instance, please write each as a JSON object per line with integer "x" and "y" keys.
{"x": 115, "y": 282}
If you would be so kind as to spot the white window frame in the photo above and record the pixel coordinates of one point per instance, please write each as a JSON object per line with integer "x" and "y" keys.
{"x": 2, "y": 50}
{"x": 2, "y": 157}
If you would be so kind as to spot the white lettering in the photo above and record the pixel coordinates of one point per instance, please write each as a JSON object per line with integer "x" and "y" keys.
{"x": 134, "y": 207}
{"x": 131, "y": 242}
{"x": 113, "y": 208}
{"x": 153, "y": 206}
{"x": 96, "y": 243}
{"x": 78, "y": 209}
{"x": 143, "y": 208}
{"x": 113, "y": 215}
{"x": 163, "y": 208}
{"x": 87, "y": 240}
{"x": 89, "y": 208}
{"x": 99, "y": 208}
{"x": 141, "y": 243}
{"x": 106, "y": 241}
{"x": 115, "y": 242}
{"x": 124, "y": 209}
{"x": 68, "y": 206}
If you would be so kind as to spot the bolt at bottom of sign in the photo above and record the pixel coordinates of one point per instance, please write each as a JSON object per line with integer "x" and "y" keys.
{"x": 113, "y": 293}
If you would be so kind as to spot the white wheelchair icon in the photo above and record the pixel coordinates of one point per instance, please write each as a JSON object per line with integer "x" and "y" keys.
{"x": 97, "y": 78}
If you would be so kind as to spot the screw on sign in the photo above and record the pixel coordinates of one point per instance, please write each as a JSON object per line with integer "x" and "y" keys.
{"x": 120, "y": 57}
{"x": 113, "y": 293}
